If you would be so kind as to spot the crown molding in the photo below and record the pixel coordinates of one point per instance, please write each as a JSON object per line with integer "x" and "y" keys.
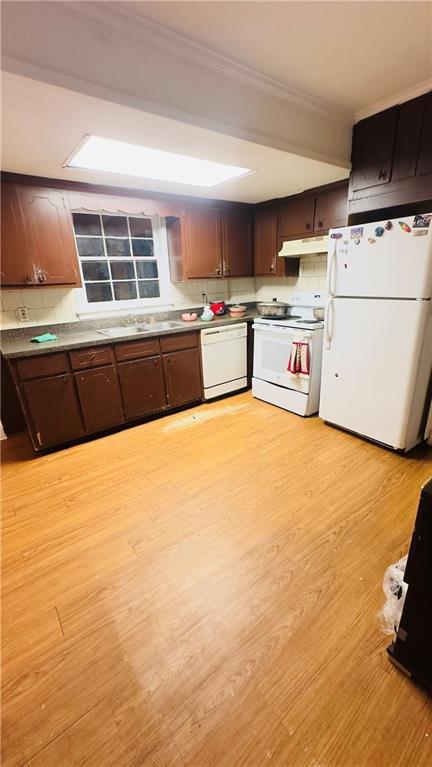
{"x": 152, "y": 33}
{"x": 397, "y": 98}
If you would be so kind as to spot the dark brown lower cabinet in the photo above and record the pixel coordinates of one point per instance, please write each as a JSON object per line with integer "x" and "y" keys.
{"x": 182, "y": 376}
{"x": 142, "y": 386}
{"x": 100, "y": 398}
{"x": 54, "y": 410}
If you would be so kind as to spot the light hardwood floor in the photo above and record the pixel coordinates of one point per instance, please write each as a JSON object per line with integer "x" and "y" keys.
{"x": 202, "y": 590}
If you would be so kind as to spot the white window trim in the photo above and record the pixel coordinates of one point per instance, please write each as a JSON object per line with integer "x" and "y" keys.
{"x": 138, "y": 305}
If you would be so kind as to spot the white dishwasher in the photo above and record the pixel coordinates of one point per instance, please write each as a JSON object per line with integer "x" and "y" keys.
{"x": 224, "y": 359}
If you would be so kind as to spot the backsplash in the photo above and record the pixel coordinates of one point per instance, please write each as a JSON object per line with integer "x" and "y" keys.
{"x": 50, "y": 306}
{"x": 312, "y": 276}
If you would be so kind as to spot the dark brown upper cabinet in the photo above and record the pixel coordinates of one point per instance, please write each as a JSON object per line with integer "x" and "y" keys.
{"x": 210, "y": 241}
{"x": 372, "y": 149}
{"x": 331, "y": 209}
{"x": 15, "y": 263}
{"x": 392, "y": 158}
{"x": 202, "y": 242}
{"x": 52, "y": 410}
{"x": 182, "y": 373}
{"x": 100, "y": 399}
{"x": 408, "y": 138}
{"x": 296, "y": 217}
{"x": 424, "y": 164}
{"x": 38, "y": 224}
{"x": 266, "y": 242}
{"x": 142, "y": 386}
{"x": 237, "y": 256}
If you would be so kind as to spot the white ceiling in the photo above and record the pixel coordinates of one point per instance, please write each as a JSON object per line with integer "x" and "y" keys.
{"x": 351, "y": 54}
{"x": 42, "y": 124}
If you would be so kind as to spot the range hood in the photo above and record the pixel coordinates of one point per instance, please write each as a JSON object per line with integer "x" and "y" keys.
{"x": 309, "y": 246}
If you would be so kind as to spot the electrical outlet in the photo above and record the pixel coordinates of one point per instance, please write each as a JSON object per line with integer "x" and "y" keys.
{"x": 22, "y": 314}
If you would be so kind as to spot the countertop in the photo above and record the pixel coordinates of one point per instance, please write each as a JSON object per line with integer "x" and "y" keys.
{"x": 22, "y": 346}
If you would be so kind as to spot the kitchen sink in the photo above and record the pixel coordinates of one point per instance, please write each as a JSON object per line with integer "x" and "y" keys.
{"x": 143, "y": 327}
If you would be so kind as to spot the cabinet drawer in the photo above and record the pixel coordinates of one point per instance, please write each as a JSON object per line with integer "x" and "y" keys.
{"x": 91, "y": 358}
{"x": 179, "y": 341}
{"x": 135, "y": 349}
{"x": 45, "y": 365}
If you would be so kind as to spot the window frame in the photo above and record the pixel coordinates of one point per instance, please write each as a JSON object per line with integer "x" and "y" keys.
{"x": 134, "y": 305}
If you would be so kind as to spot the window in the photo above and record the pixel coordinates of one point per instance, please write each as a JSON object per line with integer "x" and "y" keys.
{"x": 123, "y": 260}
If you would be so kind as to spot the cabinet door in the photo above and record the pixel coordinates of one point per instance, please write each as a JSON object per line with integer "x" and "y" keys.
{"x": 331, "y": 209}
{"x": 408, "y": 138}
{"x": 372, "y": 151}
{"x": 266, "y": 241}
{"x": 425, "y": 152}
{"x": 296, "y": 217}
{"x": 182, "y": 377}
{"x": 53, "y": 409}
{"x": 142, "y": 386}
{"x": 49, "y": 236}
{"x": 203, "y": 257}
{"x": 15, "y": 265}
{"x": 237, "y": 242}
{"x": 100, "y": 399}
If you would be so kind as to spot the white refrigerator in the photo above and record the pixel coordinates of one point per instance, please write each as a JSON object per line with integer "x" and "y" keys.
{"x": 377, "y": 356}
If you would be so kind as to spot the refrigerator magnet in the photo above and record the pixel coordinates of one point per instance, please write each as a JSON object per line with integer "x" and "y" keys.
{"x": 379, "y": 231}
{"x": 420, "y": 232}
{"x": 336, "y": 236}
{"x": 356, "y": 232}
{"x": 404, "y": 226}
{"x": 371, "y": 240}
{"x": 388, "y": 225}
{"x": 422, "y": 220}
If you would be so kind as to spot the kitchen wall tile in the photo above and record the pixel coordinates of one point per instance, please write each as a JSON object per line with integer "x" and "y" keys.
{"x": 11, "y": 299}
{"x": 50, "y": 297}
{"x": 43, "y": 316}
{"x": 31, "y": 298}
{"x": 9, "y": 320}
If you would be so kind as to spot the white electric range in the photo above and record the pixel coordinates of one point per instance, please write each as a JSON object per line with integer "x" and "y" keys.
{"x": 273, "y": 345}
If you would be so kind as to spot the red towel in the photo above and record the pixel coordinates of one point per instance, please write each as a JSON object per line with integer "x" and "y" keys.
{"x": 299, "y": 361}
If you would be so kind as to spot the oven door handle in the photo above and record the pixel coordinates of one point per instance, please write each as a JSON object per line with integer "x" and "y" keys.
{"x": 288, "y": 332}
{"x": 328, "y": 323}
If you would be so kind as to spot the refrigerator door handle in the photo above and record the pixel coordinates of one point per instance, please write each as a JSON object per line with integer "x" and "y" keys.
{"x": 330, "y": 271}
{"x": 328, "y": 325}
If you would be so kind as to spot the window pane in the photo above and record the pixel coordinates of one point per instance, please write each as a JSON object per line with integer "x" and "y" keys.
{"x": 122, "y": 270}
{"x": 98, "y": 291}
{"x": 116, "y": 226}
{"x": 149, "y": 289}
{"x": 86, "y": 223}
{"x": 146, "y": 269}
{"x": 143, "y": 247}
{"x": 95, "y": 270}
{"x": 124, "y": 291}
{"x": 141, "y": 227}
{"x": 117, "y": 247}
{"x": 90, "y": 247}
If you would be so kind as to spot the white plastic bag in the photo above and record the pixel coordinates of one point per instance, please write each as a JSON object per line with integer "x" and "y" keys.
{"x": 395, "y": 590}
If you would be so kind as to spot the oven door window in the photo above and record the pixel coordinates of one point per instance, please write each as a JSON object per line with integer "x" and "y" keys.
{"x": 271, "y": 356}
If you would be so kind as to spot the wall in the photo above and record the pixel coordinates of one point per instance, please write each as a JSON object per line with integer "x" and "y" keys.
{"x": 49, "y": 306}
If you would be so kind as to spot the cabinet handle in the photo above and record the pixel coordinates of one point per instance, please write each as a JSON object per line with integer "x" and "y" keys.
{"x": 65, "y": 380}
{"x": 155, "y": 363}
{"x": 382, "y": 174}
{"x": 92, "y": 356}
{"x": 271, "y": 267}
{"x": 308, "y": 226}
{"x": 218, "y": 270}
{"x": 320, "y": 224}
{"x": 38, "y": 437}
